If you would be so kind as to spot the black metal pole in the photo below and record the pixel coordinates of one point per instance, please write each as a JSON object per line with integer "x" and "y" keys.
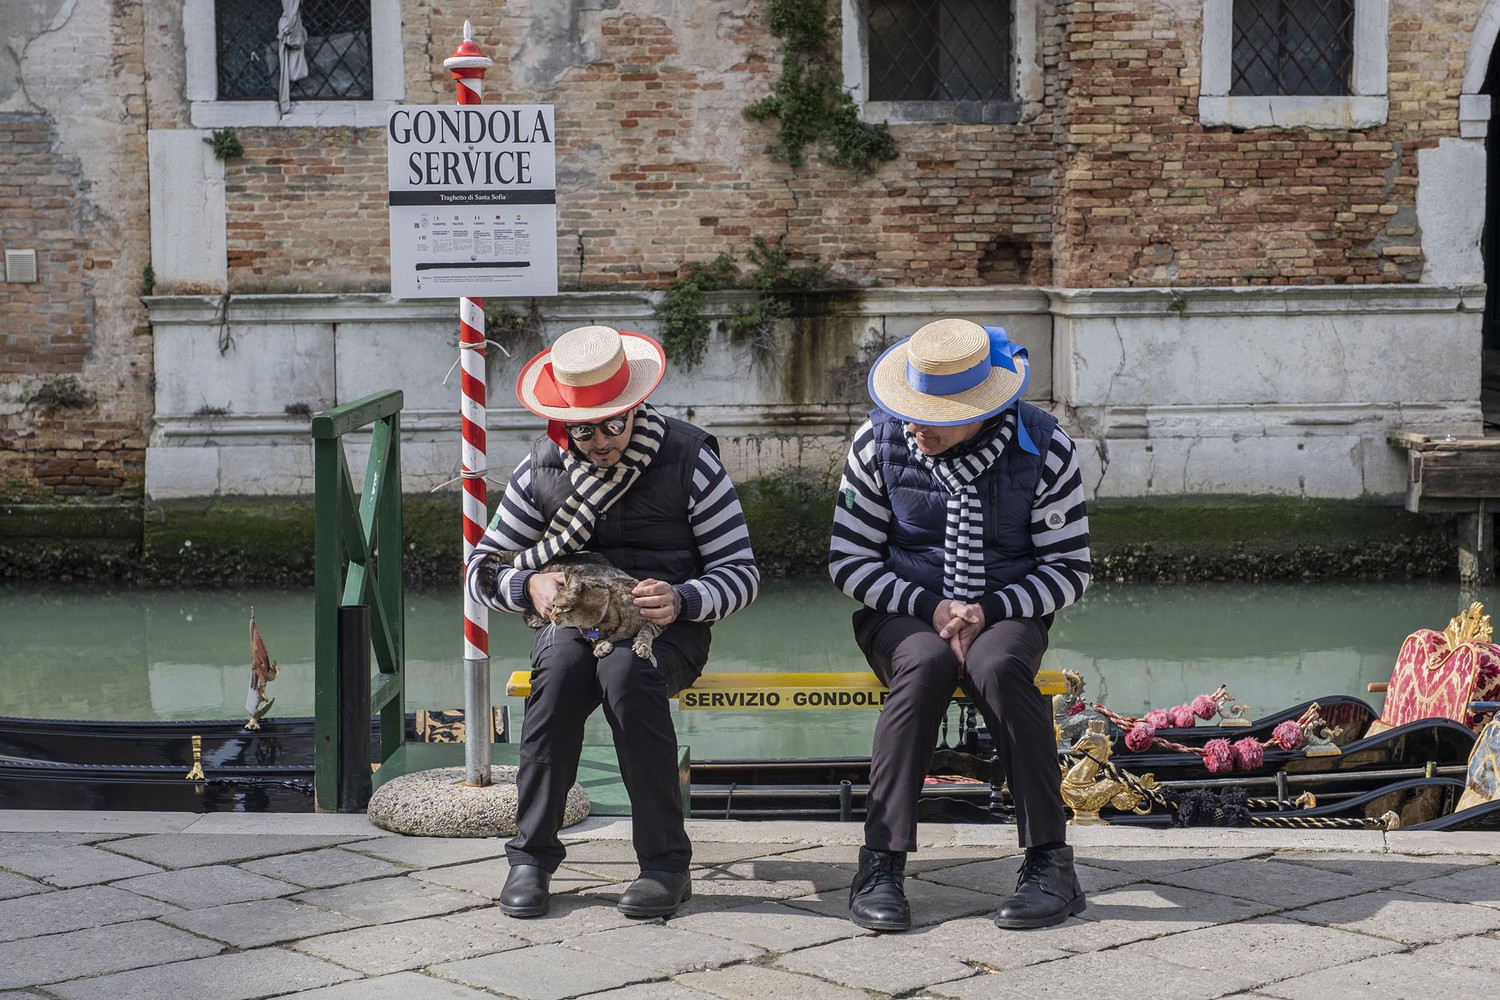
{"x": 354, "y": 708}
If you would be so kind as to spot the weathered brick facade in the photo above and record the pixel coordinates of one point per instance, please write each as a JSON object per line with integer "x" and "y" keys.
{"x": 1109, "y": 181}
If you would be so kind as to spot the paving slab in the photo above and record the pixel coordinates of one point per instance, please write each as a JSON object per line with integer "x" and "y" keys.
{"x": 544, "y": 972}
{"x": 770, "y": 925}
{"x": 183, "y": 850}
{"x": 323, "y": 868}
{"x": 97, "y": 951}
{"x": 1280, "y": 883}
{"x": 65, "y": 910}
{"x": 400, "y": 986}
{"x": 1066, "y": 978}
{"x": 1482, "y": 953}
{"x": 757, "y": 982}
{"x": 880, "y": 963}
{"x": 12, "y": 886}
{"x": 1392, "y": 869}
{"x": 1266, "y": 949}
{"x": 261, "y": 922}
{"x": 344, "y": 826}
{"x": 431, "y": 852}
{"x": 411, "y": 944}
{"x": 100, "y": 822}
{"x": 1469, "y": 885}
{"x": 1401, "y": 915}
{"x": 806, "y": 877}
{"x": 71, "y": 867}
{"x": 39, "y": 840}
{"x": 568, "y": 917}
{"x": 487, "y": 878}
{"x": 1139, "y": 911}
{"x": 244, "y": 975}
{"x": 666, "y": 989}
{"x": 387, "y": 900}
{"x": 977, "y": 941}
{"x": 211, "y": 885}
{"x": 1387, "y": 977}
{"x": 666, "y": 949}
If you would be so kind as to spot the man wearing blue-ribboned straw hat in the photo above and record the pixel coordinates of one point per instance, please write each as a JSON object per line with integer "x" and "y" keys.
{"x": 960, "y": 525}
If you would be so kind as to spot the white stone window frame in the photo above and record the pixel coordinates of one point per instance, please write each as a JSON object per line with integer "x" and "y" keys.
{"x": 1026, "y": 81}
{"x": 200, "y": 43}
{"x": 1366, "y": 107}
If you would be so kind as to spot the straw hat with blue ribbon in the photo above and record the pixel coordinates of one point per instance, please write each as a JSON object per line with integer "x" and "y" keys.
{"x": 950, "y": 372}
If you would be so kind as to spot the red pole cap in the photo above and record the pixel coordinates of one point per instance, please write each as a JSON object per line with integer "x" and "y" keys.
{"x": 467, "y": 61}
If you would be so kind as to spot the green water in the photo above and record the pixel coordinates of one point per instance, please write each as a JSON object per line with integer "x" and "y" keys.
{"x": 80, "y": 654}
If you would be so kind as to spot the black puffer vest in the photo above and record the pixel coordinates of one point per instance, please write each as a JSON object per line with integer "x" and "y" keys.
{"x": 646, "y": 533}
{"x": 919, "y": 505}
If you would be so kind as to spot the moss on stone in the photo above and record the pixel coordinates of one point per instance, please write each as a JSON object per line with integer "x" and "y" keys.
{"x": 268, "y": 541}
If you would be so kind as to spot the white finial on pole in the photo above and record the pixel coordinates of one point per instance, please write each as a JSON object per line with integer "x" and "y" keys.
{"x": 468, "y": 31}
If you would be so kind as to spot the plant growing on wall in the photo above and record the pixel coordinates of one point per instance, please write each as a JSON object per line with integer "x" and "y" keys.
{"x": 225, "y": 144}
{"x": 63, "y": 393}
{"x": 810, "y": 101}
{"x": 684, "y": 330}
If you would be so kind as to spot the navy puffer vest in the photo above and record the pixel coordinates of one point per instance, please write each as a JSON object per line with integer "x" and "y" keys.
{"x": 646, "y": 533}
{"x": 919, "y": 504}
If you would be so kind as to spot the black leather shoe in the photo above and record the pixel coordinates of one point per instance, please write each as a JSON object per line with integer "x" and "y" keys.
{"x": 1047, "y": 891}
{"x": 876, "y": 900}
{"x": 525, "y": 893}
{"x": 656, "y": 894}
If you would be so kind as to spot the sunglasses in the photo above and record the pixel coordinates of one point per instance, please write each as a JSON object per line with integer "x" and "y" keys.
{"x": 585, "y": 432}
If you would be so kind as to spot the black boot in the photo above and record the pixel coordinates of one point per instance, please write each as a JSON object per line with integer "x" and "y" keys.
{"x": 876, "y": 899}
{"x": 1047, "y": 890}
{"x": 656, "y": 894}
{"x": 526, "y": 892}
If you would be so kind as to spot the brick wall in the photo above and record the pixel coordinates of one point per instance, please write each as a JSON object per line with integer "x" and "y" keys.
{"x": 1150, "y": 197}
{"x": 75, "y": 351}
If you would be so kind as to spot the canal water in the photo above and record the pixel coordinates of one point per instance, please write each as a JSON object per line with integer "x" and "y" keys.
{"x": 131, "y": 654}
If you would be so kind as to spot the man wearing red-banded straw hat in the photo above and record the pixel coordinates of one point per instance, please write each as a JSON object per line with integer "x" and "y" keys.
{"x": 960, "y": 525}
{"x": 614, "y": 476}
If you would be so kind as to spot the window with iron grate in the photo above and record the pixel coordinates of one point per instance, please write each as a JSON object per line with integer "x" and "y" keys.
{"x": 951, "y": 50}
{"x": 1293, "y": 48}
{"x": 338, "y": 50}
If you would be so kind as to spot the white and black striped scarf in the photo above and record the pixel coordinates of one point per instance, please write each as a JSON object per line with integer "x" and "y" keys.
{"x": 595, "y": 490}
{"x": 963, "y": 555}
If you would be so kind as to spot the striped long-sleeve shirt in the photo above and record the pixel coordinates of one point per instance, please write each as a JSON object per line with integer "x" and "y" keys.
{"x": 1059, "y": 536}
{"x": 730, "y": 579}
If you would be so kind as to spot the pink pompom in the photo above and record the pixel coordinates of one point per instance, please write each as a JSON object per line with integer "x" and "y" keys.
{"x": 1075, "y": 708}
{"x": 1140, "y": 736}
{"x": 1158, "y": 719}
{"x": 1205, "y": 707}
{"x": 1182, "y": 717}
{"x": 1288, "y": 735}
{"x": 1248, "y": 753}
{"x": 1217, "y": 756}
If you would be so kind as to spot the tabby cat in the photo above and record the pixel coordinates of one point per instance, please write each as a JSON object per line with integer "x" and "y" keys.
{"x": 596, "y": 600}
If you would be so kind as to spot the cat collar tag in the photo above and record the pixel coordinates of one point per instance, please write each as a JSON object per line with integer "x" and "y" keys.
{"x": 592, "y": 633}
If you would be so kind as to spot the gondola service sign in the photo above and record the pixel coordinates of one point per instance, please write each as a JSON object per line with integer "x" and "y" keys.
{"x": 473, "y": 199}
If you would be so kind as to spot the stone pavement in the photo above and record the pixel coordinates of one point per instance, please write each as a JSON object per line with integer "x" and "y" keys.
{"x": 235, "y": 906}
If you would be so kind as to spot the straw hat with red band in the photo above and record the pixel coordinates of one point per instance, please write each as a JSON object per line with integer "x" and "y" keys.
{"x": 950, "y": 372}
{"x": 591, "y": 373}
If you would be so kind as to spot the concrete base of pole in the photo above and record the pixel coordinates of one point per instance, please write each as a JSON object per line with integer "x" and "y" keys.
{"x": 438, "y": 803}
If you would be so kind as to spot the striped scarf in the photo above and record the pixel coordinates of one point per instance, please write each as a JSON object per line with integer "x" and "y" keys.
{"x": 963, "y": 555}
{"x": 595, "y": 490}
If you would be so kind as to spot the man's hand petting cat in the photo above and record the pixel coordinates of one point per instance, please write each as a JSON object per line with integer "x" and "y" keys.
{"x": 659, "y": 602}
{"x": 542, "y": 588}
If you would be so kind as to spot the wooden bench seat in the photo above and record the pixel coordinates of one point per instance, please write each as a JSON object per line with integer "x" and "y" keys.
{"x": 818, "y": 689}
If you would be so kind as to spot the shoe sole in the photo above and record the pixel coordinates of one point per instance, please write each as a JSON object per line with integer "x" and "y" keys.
{"x": 1074, "y": 908}
{"x": 880, "y": 925}
{"x": 655, "y": 911}
{"x": 524, "y": 912}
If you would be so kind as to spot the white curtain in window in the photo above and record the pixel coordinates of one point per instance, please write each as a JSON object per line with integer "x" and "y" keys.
{"x": 291, "y": 37}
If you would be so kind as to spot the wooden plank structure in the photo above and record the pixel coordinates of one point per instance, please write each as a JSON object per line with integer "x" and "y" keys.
{"x": 1451, "y": 475}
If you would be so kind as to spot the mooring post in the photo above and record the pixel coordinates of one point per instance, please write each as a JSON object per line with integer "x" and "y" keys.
{"x": 1476, "y": 548}
{"x": 468, "y": 65}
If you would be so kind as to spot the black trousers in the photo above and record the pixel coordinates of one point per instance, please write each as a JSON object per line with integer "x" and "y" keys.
{"x": 567, "y": 683}
{"x": 999, "y": 676}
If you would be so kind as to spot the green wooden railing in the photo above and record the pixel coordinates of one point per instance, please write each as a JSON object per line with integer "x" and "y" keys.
{"x": 360, "y": 531}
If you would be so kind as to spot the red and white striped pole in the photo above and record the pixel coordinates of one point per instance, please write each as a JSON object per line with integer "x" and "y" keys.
{"x": 468, "y": 65}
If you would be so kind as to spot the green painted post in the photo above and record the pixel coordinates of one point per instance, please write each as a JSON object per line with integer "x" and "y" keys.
{"x": 357, "y": 529}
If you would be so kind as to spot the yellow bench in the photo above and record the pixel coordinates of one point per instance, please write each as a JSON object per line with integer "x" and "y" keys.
{"x": 817, "y": 689}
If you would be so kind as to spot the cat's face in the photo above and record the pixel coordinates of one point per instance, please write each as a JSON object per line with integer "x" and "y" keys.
{"x": 579, "y": 604}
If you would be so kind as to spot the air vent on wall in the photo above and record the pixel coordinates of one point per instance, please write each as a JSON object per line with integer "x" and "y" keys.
{"x": 20, "y": 266}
